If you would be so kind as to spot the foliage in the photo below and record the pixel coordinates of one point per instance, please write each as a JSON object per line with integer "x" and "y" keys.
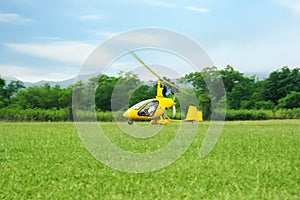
{"x": 207, "y": 81}
{"x": 9, "y": 92}
{"x": 35, "y": 114}
{"x": 288, "y": 113}
{"x": 249, "y": 115}
{"x": 292, "y": 100}
{"x": 142, "y": 92}
{"x": 123, "y": 90}
{"x": 238, "y": 87}
{"x": 209, "y": 89}
{"x": 262, "y": 114}
{"x": 280, "y": 83}
{"x": 114, "y": 93}
{"x": 256, "y": 105}
{"x": 105, "y": 93}
{"x": 83, "y": 95}
{"x": 44, "y": 97}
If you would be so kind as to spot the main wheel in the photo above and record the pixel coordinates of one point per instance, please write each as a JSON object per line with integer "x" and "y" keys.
{"x": 130, "y": 121}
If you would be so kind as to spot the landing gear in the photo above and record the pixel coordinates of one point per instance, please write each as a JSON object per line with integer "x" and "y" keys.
{"x": 130, "y": 121}
{"x": 162, "y": 120}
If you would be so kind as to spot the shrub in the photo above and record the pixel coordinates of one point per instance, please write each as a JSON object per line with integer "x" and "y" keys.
{"x": 105, "y": 116}
{"x": 288, "y": 113}
{"x": 248, "y": 115}
{"x": 34, "y": 114}
{"x": 64, "y": 114}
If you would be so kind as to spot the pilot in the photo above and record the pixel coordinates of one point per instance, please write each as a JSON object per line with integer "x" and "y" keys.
{"x": 152, "y": 109}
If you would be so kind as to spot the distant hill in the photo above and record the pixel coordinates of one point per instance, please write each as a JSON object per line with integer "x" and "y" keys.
{"x": 8, "y": 78}
{"x": 66, "y": 83}
{"x": 63, "y": 84}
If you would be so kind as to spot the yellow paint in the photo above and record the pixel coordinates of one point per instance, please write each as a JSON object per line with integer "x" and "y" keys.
{"x": 138, "y": 111}
{"x": 155, "y": 109}
{"x": 193, "y": 114}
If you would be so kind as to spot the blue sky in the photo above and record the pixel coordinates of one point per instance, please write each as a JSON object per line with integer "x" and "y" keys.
{"x": 50, "y": 40}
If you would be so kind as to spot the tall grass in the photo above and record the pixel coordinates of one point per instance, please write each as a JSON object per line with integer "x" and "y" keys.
{"x": 252, "y": 160}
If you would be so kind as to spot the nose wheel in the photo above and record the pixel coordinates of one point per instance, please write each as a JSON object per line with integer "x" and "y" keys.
{"x": 130, "y": 121}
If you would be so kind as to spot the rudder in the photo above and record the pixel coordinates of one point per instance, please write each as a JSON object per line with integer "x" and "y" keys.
{"x": 193, "y": 114}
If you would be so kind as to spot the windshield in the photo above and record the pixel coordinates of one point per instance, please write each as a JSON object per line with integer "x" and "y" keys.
{"x": 140, "y": 104}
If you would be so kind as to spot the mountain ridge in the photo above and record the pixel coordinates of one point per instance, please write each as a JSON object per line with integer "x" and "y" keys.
{"x": 67, "y": 82}
{"x": 63, "y": 83}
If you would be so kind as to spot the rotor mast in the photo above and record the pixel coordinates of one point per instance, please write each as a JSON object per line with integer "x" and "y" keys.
{"x": 160, "y": 88}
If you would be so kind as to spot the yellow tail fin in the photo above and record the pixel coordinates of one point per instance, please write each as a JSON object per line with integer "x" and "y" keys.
{"x": 193, "y": 114}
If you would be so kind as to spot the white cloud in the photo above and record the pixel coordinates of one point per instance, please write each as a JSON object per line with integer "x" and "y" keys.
{"x": 34, "y": 74}
{"x": 91, "y": 17}
{"x": 142, "y": 38}
{"x": 196, "y": 9}
{"x": 76, "y": 53}
{"x": 103, "y": 34}
{"x": 65, "y": 51}
{"x": 294, "y": 5}
{"x": 13, "y": 18}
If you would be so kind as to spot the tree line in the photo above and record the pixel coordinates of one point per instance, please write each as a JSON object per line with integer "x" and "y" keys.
{"x": 247, "y": 97}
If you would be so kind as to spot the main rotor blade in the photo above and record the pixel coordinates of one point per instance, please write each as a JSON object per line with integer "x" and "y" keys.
{"x": 142, "y": 62}
{"x": 155, "y": 74}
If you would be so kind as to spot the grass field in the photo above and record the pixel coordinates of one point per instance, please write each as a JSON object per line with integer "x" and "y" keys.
{"x": 252, "y": 160}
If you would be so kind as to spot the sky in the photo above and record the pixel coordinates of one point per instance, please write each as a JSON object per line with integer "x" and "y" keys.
{"x": 50, "y": 40}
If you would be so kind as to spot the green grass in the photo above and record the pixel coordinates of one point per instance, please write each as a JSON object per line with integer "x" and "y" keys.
{"x": 252, "y": 160}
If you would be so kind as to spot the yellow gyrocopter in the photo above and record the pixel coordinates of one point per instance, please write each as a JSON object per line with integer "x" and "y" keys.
{"x": 154, "y": 110}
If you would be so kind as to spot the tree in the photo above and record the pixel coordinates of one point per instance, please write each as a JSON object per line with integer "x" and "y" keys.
{"x": 231, "y": 77}
{"x": 241, "y": 91}
{"x": 2, "y": 85}
{"x": 9, "y": 92}
{"x": 2, "y": 92}
{"x": 143, "y": 92}
{"x": 292, "y": 100}
{"x": 239, "y": 88}
{"x": 208, "y": 81}
{"x": 13, "y": 88}
{"x": 124, "y": 88}
{"x": 43, "y": 97}
{"x": 82, "y": 98}
{"x": 65, "y": 97}
{"x": 197, "y": 81}
{"x": 280, "y": 83}
{"x": 209, "y": 89}
{"x": 104, "y": 92}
